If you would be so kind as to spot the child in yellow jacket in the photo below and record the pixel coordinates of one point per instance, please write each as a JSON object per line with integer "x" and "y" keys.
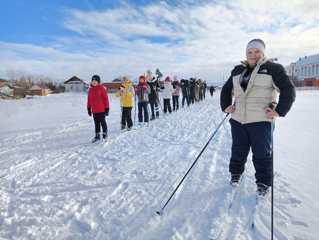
{"x": 126, "y": 94}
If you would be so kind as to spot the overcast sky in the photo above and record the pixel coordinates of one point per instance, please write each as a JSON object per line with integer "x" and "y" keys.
{"x": 62, "y": 38}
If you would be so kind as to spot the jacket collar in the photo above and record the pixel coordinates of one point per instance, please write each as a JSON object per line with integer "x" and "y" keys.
{"x": 254, "y": 74}
{"x": 259, "y": 63}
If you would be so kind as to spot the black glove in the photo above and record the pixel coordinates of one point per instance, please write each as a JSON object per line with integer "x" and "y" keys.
{"x": 89, "y": 112}
{"x": 107, "y": 111}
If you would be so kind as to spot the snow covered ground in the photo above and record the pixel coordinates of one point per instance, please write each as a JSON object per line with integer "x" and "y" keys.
{"x": 55, "y": 184}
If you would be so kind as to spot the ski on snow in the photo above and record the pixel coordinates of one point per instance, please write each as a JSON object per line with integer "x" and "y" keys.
{"x": 230, "y": 206}
{"x": 258, "y": 203}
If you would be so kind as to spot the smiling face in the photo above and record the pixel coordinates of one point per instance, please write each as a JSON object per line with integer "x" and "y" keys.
{"x": 253, "y": 56}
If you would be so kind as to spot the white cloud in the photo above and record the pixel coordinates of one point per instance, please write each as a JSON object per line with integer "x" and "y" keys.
{"x": 204, "y": 39}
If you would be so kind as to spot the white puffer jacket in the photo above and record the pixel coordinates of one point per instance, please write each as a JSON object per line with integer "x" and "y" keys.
{"x": 251, "y": 104}
{"x": 168, "y": 90}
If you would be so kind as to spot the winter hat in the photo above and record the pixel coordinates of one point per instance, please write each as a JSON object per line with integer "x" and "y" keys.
{"x": 256, "y": 43}
{"x": 167, "y": 79}
{"x": 141, "y": 78}
{"x": 96, "y": 78}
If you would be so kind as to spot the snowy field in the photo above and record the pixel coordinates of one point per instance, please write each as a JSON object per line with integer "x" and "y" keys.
{"x": 55, "y": 184}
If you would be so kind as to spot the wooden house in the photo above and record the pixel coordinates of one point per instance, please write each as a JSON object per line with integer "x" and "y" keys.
{"x": 75, "y": 84}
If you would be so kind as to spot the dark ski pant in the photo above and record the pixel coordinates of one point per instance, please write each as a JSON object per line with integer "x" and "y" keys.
{"x": 154, "y": 108}
{"x": 167, "y": 105}
{"x": 257, "y": 137}
{"x": 127, "y": 117}
{"x": 201, "y": 96}
{"x": 185, "y": 97}
{"x": 175, "y": 103}
{"x": 142, "y": 111}
{"x": 99, "y": 120}
{"x": 192, "y": 98}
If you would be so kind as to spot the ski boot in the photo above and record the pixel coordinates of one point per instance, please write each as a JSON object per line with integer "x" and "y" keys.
{"x": 262, "y": 189}
{"x": 104, "y": 135}
{"x": 96, "y": 138}
{"x": 234, "y": 181}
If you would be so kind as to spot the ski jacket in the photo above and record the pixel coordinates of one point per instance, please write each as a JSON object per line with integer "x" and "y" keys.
{"x": 267, "y": 78}
{"x": 197, "y": 89}
{"x": 98, "y": 100}
{"x": 176, "y": 88}
{"x": 192, "y": 88}
{"x": 168, "y": 90}
{"x": 185, "y": 87}
{"x": 154, "y": 87}
{"x": 142, "y": 90}
{"x": 126, "y": 94}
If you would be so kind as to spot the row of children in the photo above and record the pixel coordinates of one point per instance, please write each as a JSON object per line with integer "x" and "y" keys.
{"x": 145, "y": 92}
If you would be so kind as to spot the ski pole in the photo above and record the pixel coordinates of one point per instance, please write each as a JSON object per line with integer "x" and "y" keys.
{"x": 272, "y": 105}
{"x": 272, "y": 181}
{"x": 160, "y": 212}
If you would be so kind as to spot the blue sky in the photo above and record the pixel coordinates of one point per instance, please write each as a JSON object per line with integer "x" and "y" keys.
{"x": 37, "y": 21}
{"x": 62, "y": 38}
{"x": 40, "y": 22}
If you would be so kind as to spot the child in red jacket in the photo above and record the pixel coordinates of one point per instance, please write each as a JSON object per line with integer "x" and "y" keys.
{"x": 98, "y": 104}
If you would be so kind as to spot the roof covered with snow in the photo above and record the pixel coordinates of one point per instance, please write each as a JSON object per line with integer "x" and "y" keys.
{"x": 75, "y": 80}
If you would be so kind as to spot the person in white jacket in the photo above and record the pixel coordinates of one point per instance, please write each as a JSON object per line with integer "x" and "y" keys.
{"x": 253, "y": 85}
{"x": 176, "y": 92}
{"x": 167, "y": 94}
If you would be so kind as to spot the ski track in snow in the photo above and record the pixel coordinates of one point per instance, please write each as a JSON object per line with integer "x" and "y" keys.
{"x": 55, "y": 184}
